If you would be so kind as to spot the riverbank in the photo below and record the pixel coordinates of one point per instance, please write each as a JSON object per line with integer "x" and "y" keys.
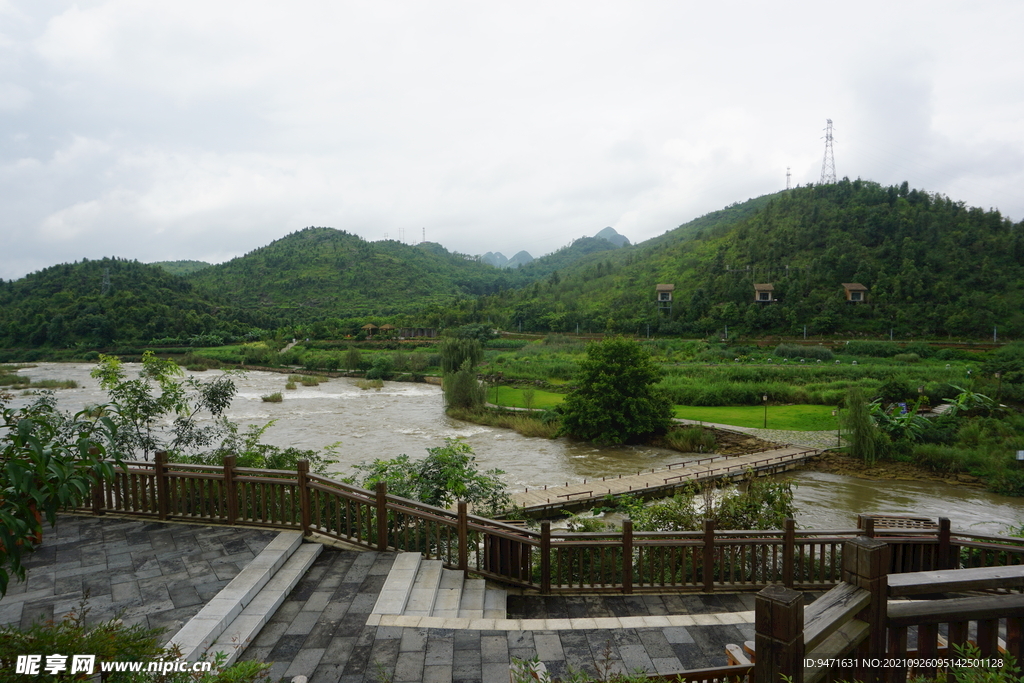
{"x": 834, "y": 462}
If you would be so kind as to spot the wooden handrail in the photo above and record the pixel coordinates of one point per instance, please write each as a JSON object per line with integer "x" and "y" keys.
{"x": 733, "y": 559}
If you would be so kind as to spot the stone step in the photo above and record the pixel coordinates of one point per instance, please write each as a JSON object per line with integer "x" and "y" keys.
{"x": 449, "y": 594}
{"x": 196, "y": 636}
{"x": 424, "y": 588}
{"x": 471, "y": 606}
{"x": 398, "y": 586}
{"x": 496, "y": 603}
{"x": 246, "y": 626}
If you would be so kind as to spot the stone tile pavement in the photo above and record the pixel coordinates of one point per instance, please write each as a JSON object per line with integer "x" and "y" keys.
{"x": 324, "y": 631}
{"x": 156, "y": 574}
{"x": 162, "y": 575}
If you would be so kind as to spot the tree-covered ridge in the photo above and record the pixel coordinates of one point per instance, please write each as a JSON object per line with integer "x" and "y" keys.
{"x": 181, "y": 267}
{"x": 319, "y": 272}
{"x": 95, "y": 303}
{"x": 932, "y": 267}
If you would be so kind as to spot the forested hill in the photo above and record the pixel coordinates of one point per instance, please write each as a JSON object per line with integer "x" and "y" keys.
{"x": 932, "y": 266}
{"x": 97, "y": 303}
{"x": 322, "y": 272}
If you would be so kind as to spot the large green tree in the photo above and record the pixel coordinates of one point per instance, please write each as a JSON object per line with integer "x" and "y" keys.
{"x": 615, "y": 400}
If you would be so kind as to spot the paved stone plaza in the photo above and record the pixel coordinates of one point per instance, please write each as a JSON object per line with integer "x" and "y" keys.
{"x": 163, "y": 574}
{"x": 159, "y": 575}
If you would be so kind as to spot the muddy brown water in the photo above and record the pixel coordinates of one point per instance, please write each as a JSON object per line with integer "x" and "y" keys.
{"x": 409, "y": 418}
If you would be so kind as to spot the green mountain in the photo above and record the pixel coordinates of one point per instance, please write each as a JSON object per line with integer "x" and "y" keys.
{"x": 931, "y": 266}
{"x": 317, "y": 273}
{"x": 181, "y": 267}
{"x": 98, "y": 303}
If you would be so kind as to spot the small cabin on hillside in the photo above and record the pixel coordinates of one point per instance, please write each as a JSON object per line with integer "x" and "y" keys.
{"x": 764, "y": 293}
{"x": 855, "y": 292}
{"x": 663, "y": 296}
{"x": 369, "y": 329}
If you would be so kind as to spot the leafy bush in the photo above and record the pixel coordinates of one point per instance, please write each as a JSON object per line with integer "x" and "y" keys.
{"x": 614, "y": 400}
{"x": 111, "y": 641}
{"x": 906, "y": 357}
{"x": 462, "y": 390}
{"x": 448, "y": 474}
{"x": 380, "y": 369}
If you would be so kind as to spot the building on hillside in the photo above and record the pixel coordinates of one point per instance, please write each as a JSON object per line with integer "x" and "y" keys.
{"x": 764, "y": 293}
{"x": 663, "y": 297}
{"x": 369, "y": 329}
{"x": 855, "y": 292}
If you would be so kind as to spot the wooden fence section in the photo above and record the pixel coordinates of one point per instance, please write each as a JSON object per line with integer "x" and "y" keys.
{"x": 623, "y": 562}
{"x": 863, "y": 629}
{"x": 550, "y": 500}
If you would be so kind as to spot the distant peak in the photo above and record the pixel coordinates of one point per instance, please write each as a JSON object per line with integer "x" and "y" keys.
{"x": 614, "y": 237}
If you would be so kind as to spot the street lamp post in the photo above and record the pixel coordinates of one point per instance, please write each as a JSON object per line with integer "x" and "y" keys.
{"x": 839, "y": 428}
{"x": 765, "y": 399}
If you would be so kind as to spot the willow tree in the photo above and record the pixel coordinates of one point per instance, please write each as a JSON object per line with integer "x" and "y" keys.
{"x": 860, "y": 429}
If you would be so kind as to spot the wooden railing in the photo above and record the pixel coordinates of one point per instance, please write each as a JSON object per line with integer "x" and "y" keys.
{"x": 548, "y": 561}
{"x": 863, "y": 629}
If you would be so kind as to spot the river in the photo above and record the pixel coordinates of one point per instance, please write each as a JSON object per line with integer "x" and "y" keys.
{"x": 409, "y": 418}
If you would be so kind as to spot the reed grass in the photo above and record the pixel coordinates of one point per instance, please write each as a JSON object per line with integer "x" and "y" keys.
{"x": 365, "y": 384}
{"x": 276, "y": 397}
{"x": 524, "y": 424}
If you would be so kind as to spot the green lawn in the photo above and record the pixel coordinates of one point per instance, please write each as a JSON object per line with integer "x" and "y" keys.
{"x": 803, "y": 418}
{"x": 511, "y": 396}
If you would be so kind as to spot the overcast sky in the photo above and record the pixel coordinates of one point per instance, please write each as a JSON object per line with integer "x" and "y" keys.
{"x": 159, "y": 130}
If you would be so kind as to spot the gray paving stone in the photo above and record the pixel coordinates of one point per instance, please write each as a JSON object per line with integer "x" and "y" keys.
{"x": 437, "y": 673}
{"x": 409, "y": 667}
{"x": 305, "y": 662}
{"x": 414, "y": 640}
{"x": 493, "y": 648}
{"x": 656, "y": 644}
{"x": 338, "y": 650}
{"x": 677, "y": 634}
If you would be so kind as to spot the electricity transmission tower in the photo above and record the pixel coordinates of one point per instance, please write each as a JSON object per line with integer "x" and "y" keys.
{"x": 787, "y": 177}
{"x": 105, "y": 288}
{"x": 828, "y": 164}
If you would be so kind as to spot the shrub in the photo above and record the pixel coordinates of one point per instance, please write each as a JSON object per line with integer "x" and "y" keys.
{"x": 380, "y": 369}
{"x": 365, "y": 384}
{"x": 906, "y": 357}
{"x": 462, "y": 390}
{"x": 290, "y": 386}
{"x": 273, "y": 398}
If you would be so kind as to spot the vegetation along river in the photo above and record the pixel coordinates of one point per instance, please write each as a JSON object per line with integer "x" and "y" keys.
{"x": 409, "y": 418}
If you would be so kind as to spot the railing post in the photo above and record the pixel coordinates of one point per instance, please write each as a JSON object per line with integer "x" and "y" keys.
{"x": 303, "y": 483}
{"x": 788, "y": 552}
{"x": 97, "y": 487}
{"x": 230, "y": 491}
{"x": 545, "y": 558}
{"x": 944, "y": 540}
{"x": 627, "y": 556}
{"x": 866, "y": 565}
{"x": 160, "y": 469}
{"x": 462, "y": 529}
{"x": 779, "y": 635}
{"x": 382, "y": 515}
{"x": 709, "y": 555}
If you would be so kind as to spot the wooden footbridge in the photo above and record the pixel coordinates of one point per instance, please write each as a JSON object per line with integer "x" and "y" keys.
{"x": 546, "y": 500}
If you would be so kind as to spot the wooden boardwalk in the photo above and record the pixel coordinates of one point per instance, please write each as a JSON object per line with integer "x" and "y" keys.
{"x": 657, "y": 482}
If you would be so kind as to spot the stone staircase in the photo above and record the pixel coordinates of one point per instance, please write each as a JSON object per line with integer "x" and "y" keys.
{"x": 234, "y": 617}
{"x": 424, "y": 588}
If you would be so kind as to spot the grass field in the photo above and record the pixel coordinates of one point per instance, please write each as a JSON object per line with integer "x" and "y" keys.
{"x": 513, "y": 397}
{"x": 802, "y": 418}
